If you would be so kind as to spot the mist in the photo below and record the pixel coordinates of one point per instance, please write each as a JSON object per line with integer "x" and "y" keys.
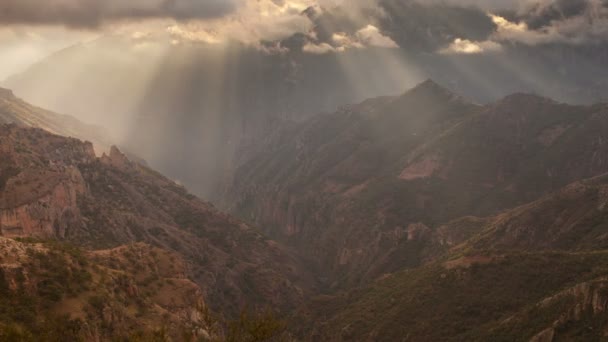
{"x": 195, "y": 105}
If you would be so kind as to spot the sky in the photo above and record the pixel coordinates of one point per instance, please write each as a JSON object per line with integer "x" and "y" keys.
{"x": 32, "y": 29}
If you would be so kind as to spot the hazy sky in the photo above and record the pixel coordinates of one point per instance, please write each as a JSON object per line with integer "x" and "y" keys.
{"x": 32, "y": 29}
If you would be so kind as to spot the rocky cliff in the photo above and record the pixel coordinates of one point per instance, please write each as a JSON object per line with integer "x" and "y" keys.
{"x": 55, "y": 187}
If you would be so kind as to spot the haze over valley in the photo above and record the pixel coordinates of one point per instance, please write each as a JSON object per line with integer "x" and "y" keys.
{"x": 303, "y": 170}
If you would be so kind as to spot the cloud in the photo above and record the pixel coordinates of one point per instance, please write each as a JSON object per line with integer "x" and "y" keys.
{"x": 486, "y": 5}
{"x": 318, "y": 49}
{"x": 92, "y": 13}
{"x": 371, "y": 36}
{"x": 431, "y": 26}
{"x": 322, "y": 26}
{"x": 253, "y": 22}
{"x": 476, "y": 26}
{"x": 180, "y": 34}
{"x": 467, "y": 47}
{"x": 539, "y": 14}
{"x": 575, "y": 25}
{"x": 368, "y": 36}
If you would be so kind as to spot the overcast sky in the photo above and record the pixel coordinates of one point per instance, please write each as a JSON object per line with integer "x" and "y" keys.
{"x": 32, "y": 29}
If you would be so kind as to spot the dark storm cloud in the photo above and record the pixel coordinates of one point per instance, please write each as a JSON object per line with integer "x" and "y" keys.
{"x": 579, "y": 22}
{"x": 429, "y": 26}
{"x": 432, "y": 25}
{"x": 91, "y": 13}
{"x": 543, "y": 15}
{"x": 412, "y": 24}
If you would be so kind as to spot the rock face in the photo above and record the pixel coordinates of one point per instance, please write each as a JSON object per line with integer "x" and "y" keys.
{"x": 338, "y": 186}
{"x": 55, "y": 187}
{"x": 39, "y": 195}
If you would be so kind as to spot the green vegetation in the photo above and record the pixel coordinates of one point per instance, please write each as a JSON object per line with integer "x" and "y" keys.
{"x": 467, "y": 303}
{"x": 256, "y": 327}
{"x": 28, "y": 293}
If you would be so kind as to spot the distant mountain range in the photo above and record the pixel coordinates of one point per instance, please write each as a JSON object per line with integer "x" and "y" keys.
{"x": 14, "y": 110}
{"x": 423, "y": 216}
{"x": 214, "y": 104}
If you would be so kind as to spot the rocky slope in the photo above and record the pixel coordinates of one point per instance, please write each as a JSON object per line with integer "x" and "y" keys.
{"x": 360, "y": 189}
{"x": 534, "y": 273}
{"x": 55, "y": 187}
{"x": 54, "y": 292}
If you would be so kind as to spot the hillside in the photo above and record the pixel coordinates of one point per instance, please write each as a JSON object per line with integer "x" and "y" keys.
{"x": 54, "y": 292}
{"x": 361, "y": 189}
{"x": 14, "y": 110}
{"x": 55, "y": 187}
{"x": 537, "y": 272}
{"x": 422, "y": 216}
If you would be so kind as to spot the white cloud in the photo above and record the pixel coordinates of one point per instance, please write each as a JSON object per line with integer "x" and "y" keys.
{"x": 519, "y": 32}
{"x": 371, "y": 36}
{"x": 179, "y": 34}
{"x": 465, "y": 46}
{"x": 368, "y": 36}
{"x": 318, "y": 49}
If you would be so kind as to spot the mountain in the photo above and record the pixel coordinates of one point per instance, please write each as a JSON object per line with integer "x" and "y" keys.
{"x": 533, "y": 273}
{"x": 208, "y": 100}
{"x": 358, "y": 191}
{"x": 422, "y": 216}
{"x": 14, "y": 110}
{"x": 205, "y": 100}
{"x": 56, "y": 292}
{"x": 55, "y": 187}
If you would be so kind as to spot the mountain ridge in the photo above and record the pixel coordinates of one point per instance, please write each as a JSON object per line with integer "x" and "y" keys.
{"x": 332, "y": 184}
{"x": 59, "y": 189}
{"x": 16, "y": 111}
{"x": 476, "y": 280}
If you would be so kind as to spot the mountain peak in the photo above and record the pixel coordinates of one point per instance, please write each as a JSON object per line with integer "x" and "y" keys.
{"x": 433, "y": 91}
{"x": 430, "y": 87}
{"x": 428, "y": 83}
